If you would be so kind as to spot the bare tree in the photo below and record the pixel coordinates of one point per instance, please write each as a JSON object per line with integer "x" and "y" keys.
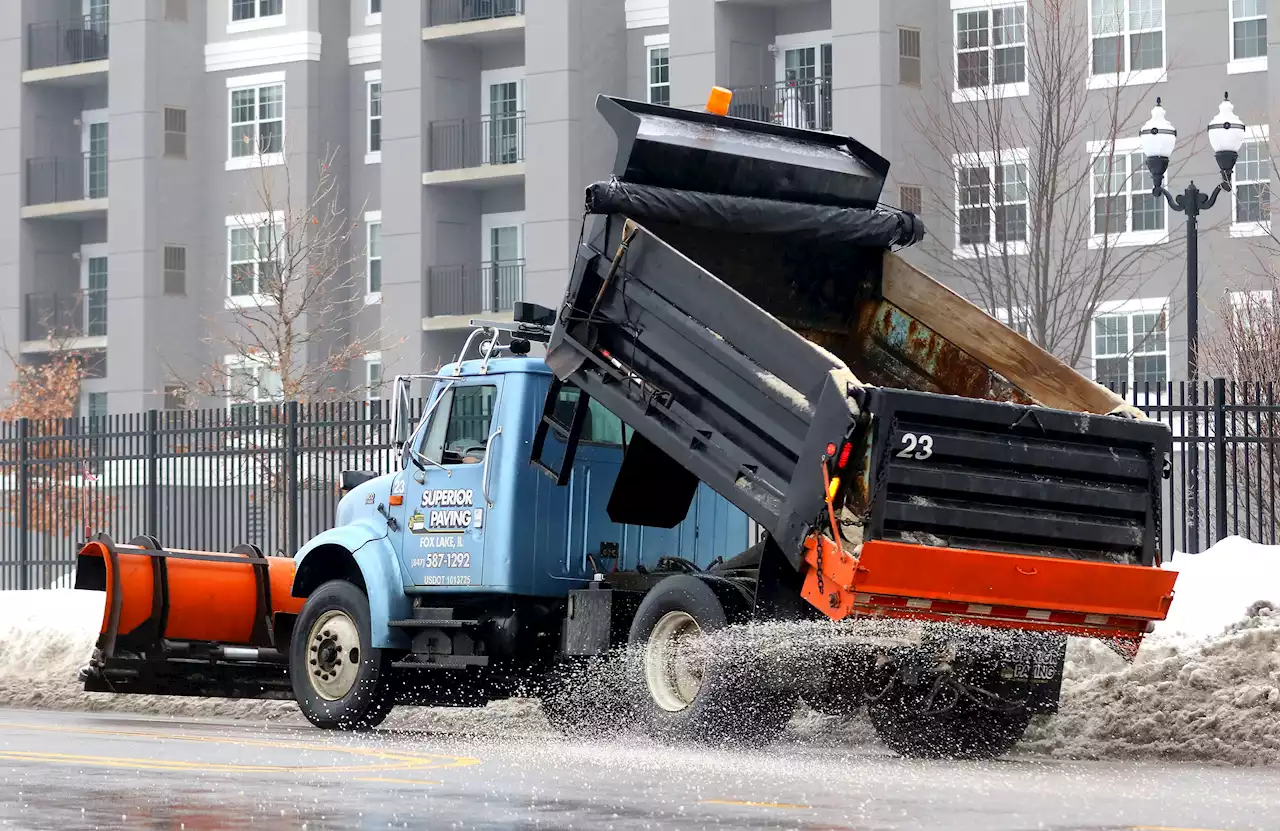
{"x": 1011, "y": 174}
{"x": 1243, "y": 346}
{"x": 59, "y": 486}
{"x": 297, "y": 280}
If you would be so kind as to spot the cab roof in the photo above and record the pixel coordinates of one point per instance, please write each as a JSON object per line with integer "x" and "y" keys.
{"x": 497, "y": 366}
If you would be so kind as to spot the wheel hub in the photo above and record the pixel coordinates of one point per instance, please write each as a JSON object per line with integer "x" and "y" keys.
{"x": 334, "y": 655}
{"x": 674, "y": 660}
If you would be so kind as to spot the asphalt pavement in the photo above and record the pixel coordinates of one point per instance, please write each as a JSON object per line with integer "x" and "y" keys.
{"x": 62, "y": 771}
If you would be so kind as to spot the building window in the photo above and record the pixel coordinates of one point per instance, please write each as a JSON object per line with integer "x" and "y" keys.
{"x": 910, "y": 199}
{"x": 1251, "y": 196}
{"x": 95, "y": 297}
{"x": 991, "y": 51}
{"x": 1128, "y": 41}
{"x": 375, "y": 119}
{"x": 242, "y": 10}
{"x": 1125, "y": 211}
{"x": 96, "y": 407}
{"x": 375, "y": 6}
{"x": 175, "y": 133}
{"x": 991, "y": 203}
{"x": 909, "y": 56}
{"x": 257, "y": 124}
{"x": 252, "y": 381}
{"x": 1131, "y": 347}
{"x": 175, "y": 397}
{"x": 253, "y": 266}
{"x": 1249, "y": 33}
{"x": 660, "y": 75}
{"x": 175, "y": 270}
{"x": 375, "y": 260}
{"x": 373, "y": 376}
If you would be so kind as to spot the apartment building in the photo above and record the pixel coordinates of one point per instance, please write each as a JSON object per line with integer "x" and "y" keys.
{"x": 466, "y": 131}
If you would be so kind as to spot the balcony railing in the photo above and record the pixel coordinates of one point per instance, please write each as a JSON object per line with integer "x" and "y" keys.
{"x": 805, "y": 104}
{"x": 444, "y": 12}
{"x": 69, "y": 314}
{"x": 66, "y": 178}
{"x": 65, "y": 42}
{"x": 464, "y": 290}
{"x": 492, "y": 140}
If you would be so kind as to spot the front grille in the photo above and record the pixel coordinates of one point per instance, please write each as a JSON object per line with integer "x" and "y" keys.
{"x": 966, "y": 473}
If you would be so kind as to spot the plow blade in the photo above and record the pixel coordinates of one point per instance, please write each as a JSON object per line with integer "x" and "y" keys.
{"x": 180, "y": 622}
{"x": 1114, "y": 603}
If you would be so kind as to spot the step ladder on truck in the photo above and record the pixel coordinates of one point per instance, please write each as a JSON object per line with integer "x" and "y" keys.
{"x": 940, "y": 502}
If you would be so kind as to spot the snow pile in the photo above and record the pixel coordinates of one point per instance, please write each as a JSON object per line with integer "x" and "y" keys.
{"x": 1205, "y": 686}
{"x": 47, "y": 636}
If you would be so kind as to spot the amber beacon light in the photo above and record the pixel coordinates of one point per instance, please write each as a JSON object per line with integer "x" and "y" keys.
{"x": 719, "y": 100}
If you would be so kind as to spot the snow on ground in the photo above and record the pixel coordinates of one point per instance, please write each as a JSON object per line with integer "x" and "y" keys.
{"x": 1205, "y": 687}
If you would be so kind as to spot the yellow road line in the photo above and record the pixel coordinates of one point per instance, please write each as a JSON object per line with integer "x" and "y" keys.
{"x": 387, "y": 761}
{"x": 755, "y": 804}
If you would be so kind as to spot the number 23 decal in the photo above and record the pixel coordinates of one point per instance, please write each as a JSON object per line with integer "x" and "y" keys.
{"x": 916, "y": 447}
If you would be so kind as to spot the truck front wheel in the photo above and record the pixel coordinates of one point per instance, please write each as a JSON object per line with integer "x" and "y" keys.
{"x": 688, "y": 684}
{"x": 339, "y": 680}
{"x": 965, "y": 731}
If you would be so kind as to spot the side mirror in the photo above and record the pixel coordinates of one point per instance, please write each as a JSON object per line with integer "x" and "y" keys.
{"x": 400, "y": 407}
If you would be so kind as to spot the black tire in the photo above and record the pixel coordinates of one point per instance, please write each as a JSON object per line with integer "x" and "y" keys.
{"x": 586, "y": 698}
{"x": 368, "y": 699}
{"x": 735, "y": 702}
{"x": 968, "y": 731}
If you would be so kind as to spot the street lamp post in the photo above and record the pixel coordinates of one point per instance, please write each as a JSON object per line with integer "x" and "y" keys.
{"x": 1226, "y": 136}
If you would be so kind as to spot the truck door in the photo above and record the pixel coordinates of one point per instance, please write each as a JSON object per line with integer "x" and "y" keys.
{"x": 445, "y": 507}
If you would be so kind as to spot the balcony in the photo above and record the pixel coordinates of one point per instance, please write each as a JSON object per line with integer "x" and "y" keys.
{"x": 66, "y": 187}
{"x": 476, "y": 21}
{"x": 456, "y": 292}
{"x": 481, "y": 153}
{"x": 804, "y": 103}
{"x": 71, "y": 320}
{"x": 70, "y": 52}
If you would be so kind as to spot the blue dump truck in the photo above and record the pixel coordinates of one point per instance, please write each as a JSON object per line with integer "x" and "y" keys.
{"x": 739, "y": 347}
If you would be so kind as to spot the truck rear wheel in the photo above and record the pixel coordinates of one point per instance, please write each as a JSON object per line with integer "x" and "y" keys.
{"x": 339, "y": 680}
{"x": 686, "y": 687}
{"x": 966, "y": 731}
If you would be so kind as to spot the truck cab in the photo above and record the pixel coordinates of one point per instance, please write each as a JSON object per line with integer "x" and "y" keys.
{"x": 475, "y": 516}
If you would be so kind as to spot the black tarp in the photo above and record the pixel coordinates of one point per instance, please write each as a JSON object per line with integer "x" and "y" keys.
{"x": 862, "y": 227}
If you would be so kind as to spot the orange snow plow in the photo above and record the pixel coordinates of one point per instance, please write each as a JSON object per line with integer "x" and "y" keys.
{"x": 180, "y": 622}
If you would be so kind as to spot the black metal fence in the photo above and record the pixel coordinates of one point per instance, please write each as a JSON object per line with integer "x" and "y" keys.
{"x": 1223, "y": 479}
{"x": 65, "y": 42}
{"x": 203, "y": 479}
{"x": 444, "y": 12}
{"x": 492, "y": 140}
{"x": 269, "y": 474}
{"x": 461, "y": 290}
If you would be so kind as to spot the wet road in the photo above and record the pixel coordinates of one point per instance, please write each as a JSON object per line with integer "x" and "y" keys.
{"x": 77, "y": 770}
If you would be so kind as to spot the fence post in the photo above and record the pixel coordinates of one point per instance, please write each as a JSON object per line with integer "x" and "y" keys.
{"x": 24, "y": 504}
{"x": 1220, "y": 456}
{"x": 153, "y": 472}
{"x": 291, "y": 476}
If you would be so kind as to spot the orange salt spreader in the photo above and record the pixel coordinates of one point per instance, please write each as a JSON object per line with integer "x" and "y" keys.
{"x": 213, "y": 617}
